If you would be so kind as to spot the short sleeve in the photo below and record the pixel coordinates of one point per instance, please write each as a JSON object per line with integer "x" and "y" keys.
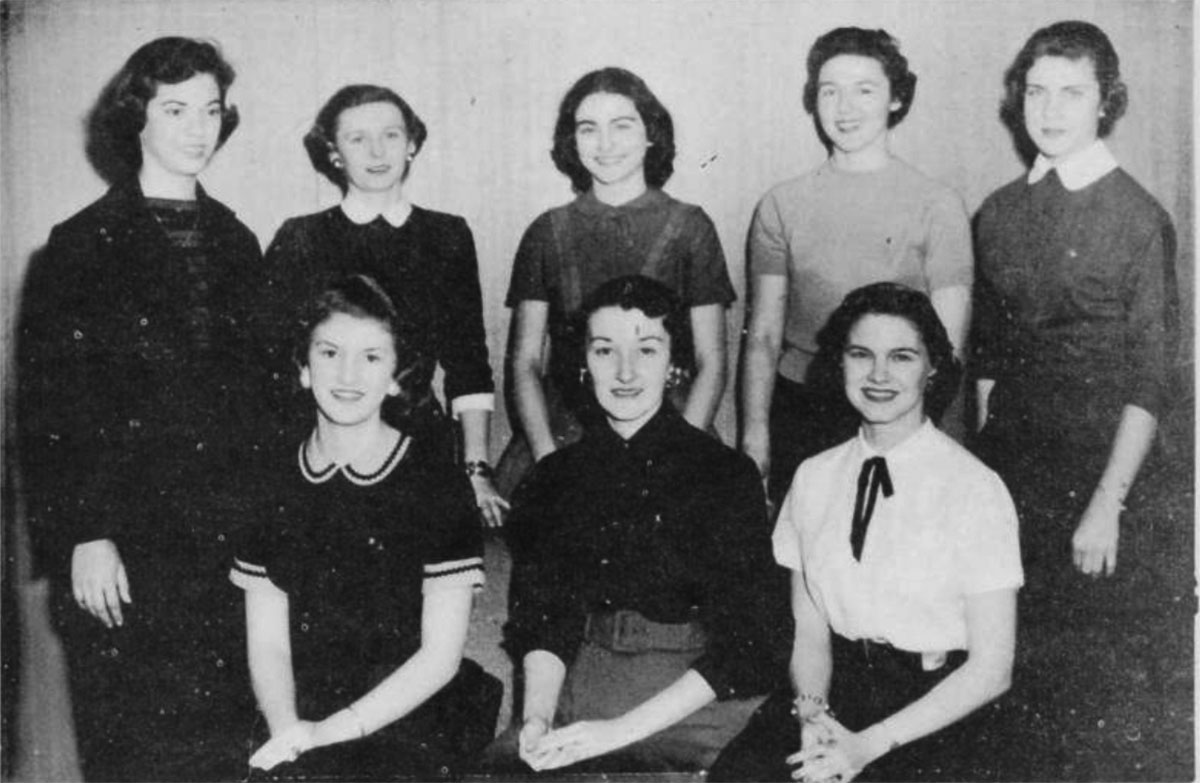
{"x": 709, "y": 281}
{"x": 529, "y": 274}
{"x": 767, "y": 244}
{"x": 454, "y": 553}
{"x": 785, "y": 540}
{"x": 948, "y": 256}
{"x": 988, "y": 544}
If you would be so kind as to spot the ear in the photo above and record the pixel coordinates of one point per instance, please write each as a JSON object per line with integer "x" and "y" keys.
{"x": 412, "y": 151}
{"x": 394, "y": 388}
{"x": 894, "y": 105}
{"x": 305, "y": 378}
{"x": 335, "y": 158}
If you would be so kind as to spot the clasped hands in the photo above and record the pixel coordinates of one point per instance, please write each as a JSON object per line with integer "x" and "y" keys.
{"x": 543, "y": 748}
{"x": 830, "y": 753}
{"x": 287, "y": 745}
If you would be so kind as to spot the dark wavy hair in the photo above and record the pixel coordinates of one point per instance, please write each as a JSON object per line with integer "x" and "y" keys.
{"x": 321, "y": 140}
{"x": 1073, "y": 40}
{"x": 361, "y": 296}
{"x": 876, "y": 44}
{"x": 914, "y": 307}
{"x": 660, "y": 131}
{"x": 117, "y": 119}
{"x": 655, "y": 300}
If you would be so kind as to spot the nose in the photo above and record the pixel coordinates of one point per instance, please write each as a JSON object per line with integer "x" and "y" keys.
{"x": 605, "y": 139}
{"x": 347, "y": 370}
{"x": 880, "y": 372}
{"x": 844, "y": 104}
{"x": 626, "y": 368}
{"x": 376, "y": 148}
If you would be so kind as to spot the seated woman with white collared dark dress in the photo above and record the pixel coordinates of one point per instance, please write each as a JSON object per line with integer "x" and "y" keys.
{"x": 359, "y": 573}
{"x": 906, "y": 565}
{"x": 645, "y": 607}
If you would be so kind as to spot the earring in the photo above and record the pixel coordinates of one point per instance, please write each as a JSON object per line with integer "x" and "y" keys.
{"x": 584, "y": 376}
{"x": 410, "y": 157}
{"x": 675, "y": 377}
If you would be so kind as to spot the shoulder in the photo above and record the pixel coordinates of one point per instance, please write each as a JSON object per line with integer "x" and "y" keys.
{"x": 304, "y": 225}
{"x": 830, "y": 459}
{"x": 228, "y": 224}
{"x": 690, "y": 212}
{"x": 1003, "y": 197}
{"x": 950, "y": 457}
{"x": 918, "y": 185}
{"x": 112, "y": 209}
{"x": 438, "y": 221}
{"x": 1132, "y": 199}
{"x": 793, "y": 188}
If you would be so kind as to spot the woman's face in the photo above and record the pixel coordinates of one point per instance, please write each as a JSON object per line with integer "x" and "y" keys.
{"x": 629, "y": 358}
{"x": 183, "y": 124}
{"x": 1062, "y": 105}
{"x": 854, "y": 99}
{"x": 351, "y": 368}
{"x": 373, "y": 146}
{"x": 886, "y": 367}
{"x": 611, "y": 138}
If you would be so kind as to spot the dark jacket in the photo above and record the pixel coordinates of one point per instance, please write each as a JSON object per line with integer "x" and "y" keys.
{"x": 125, "y": 417}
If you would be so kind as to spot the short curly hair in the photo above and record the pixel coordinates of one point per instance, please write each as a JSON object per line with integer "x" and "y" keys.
{"x": 116, "y": 122}
{"x": 916, "y": 308}
{"x": 655, "y": 300}
{"x": 321, "y": 140}
{"x": 876, "y": 44}
{"x": 1072, "y": 40}
{"x": 660, "y": 131}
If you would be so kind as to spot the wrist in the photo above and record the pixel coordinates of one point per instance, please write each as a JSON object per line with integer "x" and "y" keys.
{"x": 479, "y": 468}
{"x": 879, "y": 740}
{"x": 807, "y": 706}
{"x": 1109, "y": 496}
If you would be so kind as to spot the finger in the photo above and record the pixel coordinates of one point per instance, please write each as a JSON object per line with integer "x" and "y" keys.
{"x": 1110, "y": 562}
{"x": 123, "y": 585}
{"x": 112, "y": 603}
{"x": 95, "y": 605}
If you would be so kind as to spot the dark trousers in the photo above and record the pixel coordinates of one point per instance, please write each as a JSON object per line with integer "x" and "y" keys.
{"x": 870, "y": 682}
{"x": 805, "y": 420}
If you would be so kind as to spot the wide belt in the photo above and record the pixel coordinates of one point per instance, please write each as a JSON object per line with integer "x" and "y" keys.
{"x": 628, "y": 631}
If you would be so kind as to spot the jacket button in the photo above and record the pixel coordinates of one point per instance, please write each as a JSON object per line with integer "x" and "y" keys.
{"x": 143, "y": 321}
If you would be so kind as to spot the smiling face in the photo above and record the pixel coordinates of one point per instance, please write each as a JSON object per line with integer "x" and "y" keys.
{"x": 886, "y": 368}
{"x": 1062, "y": 105}
{"x": 183, "y": 124}
{"x": 610, "y": 138}
{"x": 373, "y": 147}
{"x": 854, "y": 100}
{"x": 629, "y": 358}
{"x": 351, "y": 369}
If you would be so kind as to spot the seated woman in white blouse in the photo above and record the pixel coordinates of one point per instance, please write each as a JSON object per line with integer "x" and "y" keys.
{"x": 906, "y": 566}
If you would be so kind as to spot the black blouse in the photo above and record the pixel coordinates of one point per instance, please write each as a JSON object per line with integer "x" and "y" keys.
{"x": 671, "y": 524}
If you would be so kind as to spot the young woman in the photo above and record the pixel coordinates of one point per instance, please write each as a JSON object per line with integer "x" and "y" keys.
{"x": 645, "y": 607}
{"x": 1075, "y": 332}
{"x": 616, "y": 144}
{"x": 862, "y": 216}
{"x": 364, "y": 140}
{"x": 134, "y": 376}
{"x": 359, "y": 582}
{"x": 905, "y": 569}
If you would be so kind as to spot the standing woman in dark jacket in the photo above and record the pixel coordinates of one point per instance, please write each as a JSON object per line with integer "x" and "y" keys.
{"x": 133, "y": 372}
{"x": 364, "y": 140}
{"x": 645, "y": 607}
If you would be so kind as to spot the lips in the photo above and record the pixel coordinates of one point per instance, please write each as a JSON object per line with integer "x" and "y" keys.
{"x": 378, "y": 169}
{"x": 625, "y": 393}
{"x": 346, "y": 395}
{"x": 880, "y": 395}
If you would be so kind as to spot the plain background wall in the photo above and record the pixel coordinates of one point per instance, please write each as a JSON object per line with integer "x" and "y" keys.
{"x": 487, "y": 75}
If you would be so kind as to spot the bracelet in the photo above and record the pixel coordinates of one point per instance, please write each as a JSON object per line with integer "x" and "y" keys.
{"x": 798, "y": 706}
{"x": 1111, "y": 495}
{"x": 479, "y": 467}
{"x": 358, "y": 721}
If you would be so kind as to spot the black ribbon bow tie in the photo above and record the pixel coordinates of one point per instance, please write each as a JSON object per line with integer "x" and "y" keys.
{"x": 874, "y": 474}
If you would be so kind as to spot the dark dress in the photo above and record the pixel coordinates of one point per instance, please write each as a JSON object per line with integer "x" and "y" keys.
{"x": 355, "y": 554}
{"x": 135, "y": 384}
{"x": 1075, "y": 319}
{"x": 634, "y": 561}
{"x": 428, "y": 268}
{"x": 569, "y": 251}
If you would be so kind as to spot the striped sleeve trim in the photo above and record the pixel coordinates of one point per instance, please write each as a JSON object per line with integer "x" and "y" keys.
{"x": 453, "y": 573}
{"x": 250, "y": 576}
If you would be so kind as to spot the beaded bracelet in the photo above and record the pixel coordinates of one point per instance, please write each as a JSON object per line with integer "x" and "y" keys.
{"x": 816, "y": 701}
{"x": 479, "y": 467}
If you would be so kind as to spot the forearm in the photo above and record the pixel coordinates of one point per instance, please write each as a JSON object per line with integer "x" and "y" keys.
{"x": 983, "y": 393}
{"x": 758, "y": 385}
{"x": 271, "y": 676}
{"x": 666, "y": 708}
{"x": 1131, "y": 444}
{"x": 705, "y": 395}
{"x": 544, "y": 676}
{"x": 953, "y": 306}
{"x": 475, "y": 423}
{"x": 533, "y": 410}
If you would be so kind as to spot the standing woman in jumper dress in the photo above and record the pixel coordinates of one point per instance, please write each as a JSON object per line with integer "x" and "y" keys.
{"x": 364, "y": 140}
{"x": 616, "y": 143}
{"x": 1074, "y": 334}
{"x": 134, "y": 372}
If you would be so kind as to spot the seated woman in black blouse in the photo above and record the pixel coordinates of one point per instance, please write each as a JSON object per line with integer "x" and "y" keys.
{"x": 359, "y": 577}
{"x": 645, "y": 606}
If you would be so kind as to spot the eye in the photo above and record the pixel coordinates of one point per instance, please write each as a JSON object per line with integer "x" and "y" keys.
{"x": 1032, "y": 91}
{"x": 173, "y": 111}
{"x": 585, "y": 130}
{"x": 649, "y": 350}
{"x": 394, "y": 134}
{"x": 374, "y": 358}
{"x": 214, "y": 111}
{"x": 904, "y": 357}
{"x": 326, "y": 353}
{"x": 602, "y": 351}
{"x": 856, "y": 353}
{"x": 826, "y": 92}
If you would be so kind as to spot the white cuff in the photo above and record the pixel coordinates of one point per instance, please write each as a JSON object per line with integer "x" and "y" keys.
{"x": 484, "y": 401}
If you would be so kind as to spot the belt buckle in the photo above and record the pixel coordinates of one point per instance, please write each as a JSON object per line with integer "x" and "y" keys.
{"x": 628, "y": 632}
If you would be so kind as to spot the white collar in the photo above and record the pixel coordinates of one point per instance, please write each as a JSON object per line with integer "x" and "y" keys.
{"x": 914, "y": 442}
{"x": 396, "y": 214}
{"x": 1079, "y": 170}
{"x": 315, "y": 476}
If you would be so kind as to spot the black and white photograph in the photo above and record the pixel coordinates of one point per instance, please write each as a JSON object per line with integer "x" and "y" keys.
{"x": 598, "y": 390}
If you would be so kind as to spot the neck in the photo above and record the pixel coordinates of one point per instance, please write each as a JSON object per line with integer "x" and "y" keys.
{"x": 347, "y": 444}
{"x": 627, "y": 428}
{"x": 885, "y": 437}
{"x": 156, "y": 183}
{"x": 617, "y": 193}
{"x": 871, "y": 158}
{"x": 377, "y": 200}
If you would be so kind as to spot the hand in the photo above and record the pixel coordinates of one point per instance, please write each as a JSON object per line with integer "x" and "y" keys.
{"x": 839, "y": 758}
{"x": 1094, "y": 545}
{"x": 491, "y": 505}
{"x": 814, "y": 733}
{"x": 287, "y": 745}
{"x": 529, "y": 740}
{"x": 578, "y": 742}
{"x": 99, "y": 582}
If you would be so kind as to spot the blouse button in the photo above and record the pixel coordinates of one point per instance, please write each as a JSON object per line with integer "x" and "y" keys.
{"x": 143, "y": 321}
{"x": 78, "y": 335}
{"x": 645, "y": 493}
{"x": 1071, "y": 253}
{"x": 221, "y": 537}
{"x": 304, "y": 627}
{"x": 604, "y": 561}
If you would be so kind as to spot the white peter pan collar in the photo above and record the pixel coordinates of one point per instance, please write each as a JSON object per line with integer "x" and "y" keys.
{"x": 319, "y": 476}
{"x": 396, "y": 214}
{"x": 1079, "y": 170}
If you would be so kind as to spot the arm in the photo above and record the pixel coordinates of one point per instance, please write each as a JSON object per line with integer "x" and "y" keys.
{"x": 1094, "y": 544}
{"x": 763, "y": 342}
{"x": 708, "y": 334}
{"x": 991, "y": 641}
{"x": 527, "y": 369}
{"x": 269, "y": 651}
{"x": 812, "y": 662}
{"x": 445, "y": 615}
{"x": 953, "y": 306}
{"x": 475, "y": 423}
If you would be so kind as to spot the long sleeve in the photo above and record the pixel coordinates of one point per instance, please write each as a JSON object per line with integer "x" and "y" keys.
{"x": 462, "y": 351}
{"x": 1154, "y": 319}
